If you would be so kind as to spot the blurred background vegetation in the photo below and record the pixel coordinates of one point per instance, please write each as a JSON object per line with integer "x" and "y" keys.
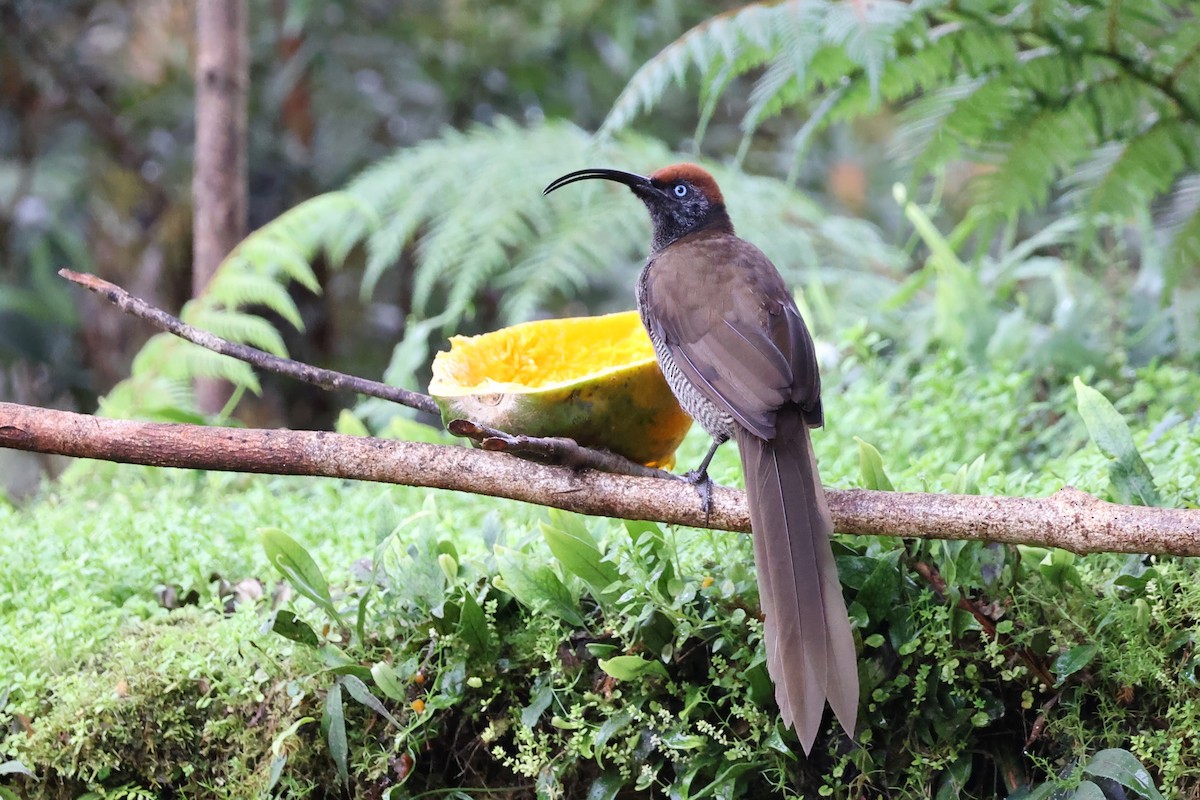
{"x": 96, "y": 127}
{"x": 1053, "y": 144}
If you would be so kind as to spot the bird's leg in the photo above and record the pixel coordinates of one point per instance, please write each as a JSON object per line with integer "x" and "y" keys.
{"x": 699, "y": 477}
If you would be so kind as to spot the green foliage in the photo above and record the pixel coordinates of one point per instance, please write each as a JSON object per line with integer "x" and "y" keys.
{"x": 251, "y": 281}
{"x": 468, "y": 208}
{"x": 1098, "y": 103}
{"x": 168, "y": 691}
{"x": 1027, "y": 303}
{"x": 593, "y": 655}
{"x": 1130, "y": 478}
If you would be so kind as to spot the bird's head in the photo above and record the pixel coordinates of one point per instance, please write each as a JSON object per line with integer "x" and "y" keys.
{"x": 681, "y": 198}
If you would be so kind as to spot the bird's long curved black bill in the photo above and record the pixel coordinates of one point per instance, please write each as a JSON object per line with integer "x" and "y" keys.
{"x": 630, "y": 179}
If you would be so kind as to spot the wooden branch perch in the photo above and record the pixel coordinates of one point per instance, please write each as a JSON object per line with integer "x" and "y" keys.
{"x": 1070, "y": 519}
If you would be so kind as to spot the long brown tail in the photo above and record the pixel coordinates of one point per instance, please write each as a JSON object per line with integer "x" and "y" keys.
{"x": 810, "y": 649}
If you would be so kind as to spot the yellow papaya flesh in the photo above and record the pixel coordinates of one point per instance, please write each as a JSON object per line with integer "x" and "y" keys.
{"x": 592, "y": 379}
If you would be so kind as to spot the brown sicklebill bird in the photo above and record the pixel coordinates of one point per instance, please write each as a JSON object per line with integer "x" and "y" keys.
{"x": 741, "y": 362}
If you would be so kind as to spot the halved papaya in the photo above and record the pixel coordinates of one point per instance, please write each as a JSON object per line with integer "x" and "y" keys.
{"x": 592, "y": 379}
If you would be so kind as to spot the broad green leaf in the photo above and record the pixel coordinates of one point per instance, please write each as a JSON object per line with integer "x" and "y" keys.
{"x": 333, "y": 723}
{"x": 1132, "y": 482}
{"x": 1123, "y": 767}
{"x": 1058, "y": 567}
{"x": 610, "y": 727}
{"x": 536, "y": 586}
{"x": 384, "y": 675}
{"x": 538, "y": 704}
{"x": 881, "y": 589}
{"x": 870, "y": 467}
{"x": 1089, "y": 791}
{"x": 289, "y": 626}
{"x": 359, "y": 691}
{"x": 576, "y": 550}
{"x": 966, "y": 480}
{"x": 472, "y": 626}
{"x": 606, "y": 786}
{"x": 1074, "y": 660}
{"x": 629, "y": 668}
{"x": 294, "y": 563}
{"x": 600, "y": 650}
{"x": 339, "y": 663}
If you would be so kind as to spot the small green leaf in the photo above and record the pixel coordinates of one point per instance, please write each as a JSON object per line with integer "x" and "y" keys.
{"x": 384, "y": 675}
{"x": 966, "y": 480}
{"x": 599, "y": 649}
{"x": 538, "y": 703}
{"x": 1089, "y": 791}
{"x": 1074, "y": 660}
{"x": 606, "y": 786}
{"x": 448, "y": 565}
{"x": 1058, "y": 567}
{"x": 881, "y": 589}
{"x": 339, "y": 663}
{"x": 536, "y": 586}
{"x": 576, "y": 550}
{"x": 1130, "y": 478}
{"x": 359, "y": 691}
{"x": 472, "y": 626}
{"x": 350, "y": 425}
{"x": 870, "y": 467}
{"x": 333, "y": 723}
{"x": 611, "y": 726}
{"x": 294, "y": 563}
{"x": 954, "y": 780}
{"x": 629, "y": 668}
{"x": 289, "y": 626}
{"x": 1123, "y": 767}
{"x": 291, "y": 730}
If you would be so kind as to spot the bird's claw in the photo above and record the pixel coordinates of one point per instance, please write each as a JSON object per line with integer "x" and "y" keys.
{"x": 703, "y": 485}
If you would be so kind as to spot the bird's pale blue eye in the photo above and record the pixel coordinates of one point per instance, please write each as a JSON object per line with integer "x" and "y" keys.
{"x": 680, "y": 190}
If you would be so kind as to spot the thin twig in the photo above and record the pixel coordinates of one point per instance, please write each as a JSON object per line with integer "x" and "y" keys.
{"x": 552, "y": 450}
{"x": 544, "y": 450}
{"x": 325, "y": 378}
{"x": 1039, "y": 724}
{"x": 938, "y": 584}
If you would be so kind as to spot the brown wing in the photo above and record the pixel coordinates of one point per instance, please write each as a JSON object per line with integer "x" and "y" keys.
{"x": 735, "y": 332}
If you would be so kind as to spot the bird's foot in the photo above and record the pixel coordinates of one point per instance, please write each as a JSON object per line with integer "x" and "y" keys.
{"x": 703, "y": 485}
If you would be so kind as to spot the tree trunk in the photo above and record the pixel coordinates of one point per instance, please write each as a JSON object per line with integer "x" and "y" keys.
{"x": 219, "y": 180}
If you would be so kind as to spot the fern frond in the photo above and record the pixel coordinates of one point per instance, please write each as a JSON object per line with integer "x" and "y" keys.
{"x": 867, "y": 34}
{"x": 1033, "y": 154}
{"x": 736, "y": 41}
{"x": 256, "y": 273}
{"x": 1124, "y": 176}
{"x": 242, "y": 289}
{"x": 192, "y": 361}
{"x": 467, "y": 210}
{"x": 1036, "y": 92}
{"x": 238, "y": 326}
{"x": 1182, "y": 227}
